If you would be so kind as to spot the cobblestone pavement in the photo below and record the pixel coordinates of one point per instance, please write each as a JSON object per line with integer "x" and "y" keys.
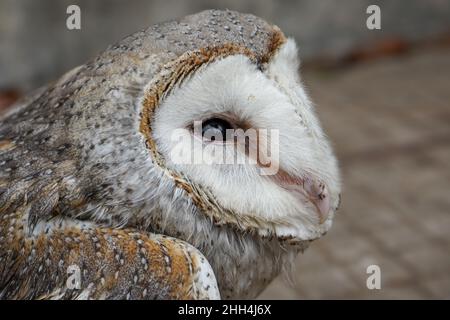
{"x": 390, "y": 123}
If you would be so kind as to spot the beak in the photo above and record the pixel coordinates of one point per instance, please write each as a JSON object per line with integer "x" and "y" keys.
{"x": 319, "y": 196}
{"x": 310, "y": 190}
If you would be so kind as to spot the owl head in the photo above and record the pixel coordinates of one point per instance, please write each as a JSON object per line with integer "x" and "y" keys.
{"x": 243, "y": 141}
{"x": 234, "y": 128}
{"x": 201, "y": 129}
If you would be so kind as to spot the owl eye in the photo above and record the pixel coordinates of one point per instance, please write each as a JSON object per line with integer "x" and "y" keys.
{"x": 215, "y": 129}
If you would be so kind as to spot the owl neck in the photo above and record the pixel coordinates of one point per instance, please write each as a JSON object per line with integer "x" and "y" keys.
{"x": 244, "y": 264}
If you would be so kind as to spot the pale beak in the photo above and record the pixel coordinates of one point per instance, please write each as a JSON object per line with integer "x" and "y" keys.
{"x": 317, "y": 193}
{"x": 310, "y": 190}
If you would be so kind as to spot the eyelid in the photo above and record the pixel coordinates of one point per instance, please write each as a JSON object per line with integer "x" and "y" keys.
{"x": 222, "y": 116}
{"x": 200, "y": 138}
{"x": 205, "y": 119}
{"x": 232, "y": 119}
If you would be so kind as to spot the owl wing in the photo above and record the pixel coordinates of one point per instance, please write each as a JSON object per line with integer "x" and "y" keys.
{"x": 86, "y": 262}
{"x": 106, "y": 263}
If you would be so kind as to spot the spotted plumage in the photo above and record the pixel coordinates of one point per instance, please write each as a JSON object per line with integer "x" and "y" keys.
{"x": 86, "y": 177}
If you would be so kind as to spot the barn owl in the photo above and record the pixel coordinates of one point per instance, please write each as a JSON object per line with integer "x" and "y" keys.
{"x": 89, "y": 188}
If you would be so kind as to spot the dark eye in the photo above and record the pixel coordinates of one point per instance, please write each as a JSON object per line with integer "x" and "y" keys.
{"x": 215, "y": 129}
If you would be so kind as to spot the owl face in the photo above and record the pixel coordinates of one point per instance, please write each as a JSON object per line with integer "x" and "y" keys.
{"x": 243, "y": 140}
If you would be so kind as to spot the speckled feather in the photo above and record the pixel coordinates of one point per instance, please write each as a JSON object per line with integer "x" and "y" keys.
{"x": 81, "y": 181}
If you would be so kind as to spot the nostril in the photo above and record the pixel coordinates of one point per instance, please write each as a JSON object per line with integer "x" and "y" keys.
{"x": 318, "y": 194}
{"x": 315, "y": 189}
{"x": 310, "y": 190}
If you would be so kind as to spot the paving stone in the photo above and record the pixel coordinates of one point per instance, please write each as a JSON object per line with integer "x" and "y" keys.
{"x": 427, "y": 259}
{"x": 439, "y": 286}
{"x": 326, "y": 282}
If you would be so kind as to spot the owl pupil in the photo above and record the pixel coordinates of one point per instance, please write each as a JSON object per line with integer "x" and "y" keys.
{"x": 214, "y": 129}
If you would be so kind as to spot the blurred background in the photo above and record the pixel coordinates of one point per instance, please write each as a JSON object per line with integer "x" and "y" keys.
{"x": 383, "y": 97}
